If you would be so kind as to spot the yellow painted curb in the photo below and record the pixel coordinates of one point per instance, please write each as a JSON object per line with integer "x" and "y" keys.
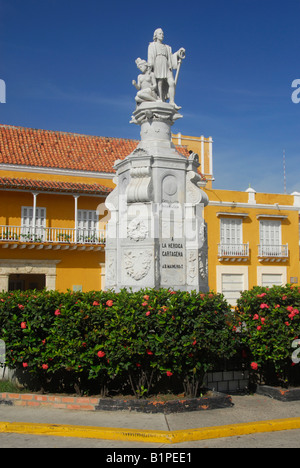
{"x": 87, "y": 432}
{"x": 232, "y": 430}
{"x": 161, "y": 437}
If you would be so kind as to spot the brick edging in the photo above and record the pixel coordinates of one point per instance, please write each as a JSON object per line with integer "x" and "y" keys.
{"x": 54, "y": 401}
{"x": 216, "y": 400}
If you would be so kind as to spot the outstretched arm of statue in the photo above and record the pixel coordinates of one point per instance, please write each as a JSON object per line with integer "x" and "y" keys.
{"x": 137, "y": 85}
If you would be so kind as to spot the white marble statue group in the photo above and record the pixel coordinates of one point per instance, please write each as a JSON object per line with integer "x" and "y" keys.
{"x": 156, "y": 81}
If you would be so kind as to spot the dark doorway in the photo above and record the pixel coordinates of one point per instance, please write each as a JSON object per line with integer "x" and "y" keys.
{"x": 25, "y": 282}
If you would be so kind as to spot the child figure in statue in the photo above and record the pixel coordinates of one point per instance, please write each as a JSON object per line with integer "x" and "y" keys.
{"x": 146, "y": 83}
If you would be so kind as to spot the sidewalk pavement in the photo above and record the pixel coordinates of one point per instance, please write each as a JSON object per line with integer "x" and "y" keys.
{"x": 250, "y": 414}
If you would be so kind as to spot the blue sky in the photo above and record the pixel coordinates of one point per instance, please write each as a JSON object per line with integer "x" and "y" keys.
{"x": 68, "y": 66}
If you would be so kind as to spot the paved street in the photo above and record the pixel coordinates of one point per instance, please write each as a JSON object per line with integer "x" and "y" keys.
{"x": 246, "y": 409}
{"x": 284, "y": 439}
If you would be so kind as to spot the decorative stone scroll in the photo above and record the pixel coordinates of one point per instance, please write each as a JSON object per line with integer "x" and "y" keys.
{"x": 139, "y": 188}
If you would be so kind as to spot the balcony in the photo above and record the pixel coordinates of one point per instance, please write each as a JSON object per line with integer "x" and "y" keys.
{"x": 233, "y": 252}
{"x": 273, "y": 253}
{"x": 51, "y": 238}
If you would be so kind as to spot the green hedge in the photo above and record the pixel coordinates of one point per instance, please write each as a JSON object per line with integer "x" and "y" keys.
{"x": 268, "y": 321}
{"x": 98, "y": 341}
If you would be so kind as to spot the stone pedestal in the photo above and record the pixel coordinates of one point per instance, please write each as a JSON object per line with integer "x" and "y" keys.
{"x": 156, "y": 236}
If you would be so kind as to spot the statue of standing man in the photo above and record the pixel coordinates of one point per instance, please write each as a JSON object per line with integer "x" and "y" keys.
{"x": 163, "y": 62}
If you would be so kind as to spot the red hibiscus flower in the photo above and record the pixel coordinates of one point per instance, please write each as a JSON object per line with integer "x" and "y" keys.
{"x": 101, "y": 354}
{"x": 169, "y": 373}
{"x": 109, "y": 303}
{"x": 254, "y": 365}
{"x": 45, "y": 366}
{"x": 23, "y": 325}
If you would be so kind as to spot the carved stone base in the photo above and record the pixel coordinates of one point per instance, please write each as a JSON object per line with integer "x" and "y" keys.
{"x": 155, "y": 112}
{"x": 156, "y": 236}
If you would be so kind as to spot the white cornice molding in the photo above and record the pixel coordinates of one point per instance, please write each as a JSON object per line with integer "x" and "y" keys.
{"x": 49, "y": 170}
{"x": 55, "y": 192}
{"x": 275, "y": 206}
{"x": 273, "y": 216}
{"x": 227, "y": 213}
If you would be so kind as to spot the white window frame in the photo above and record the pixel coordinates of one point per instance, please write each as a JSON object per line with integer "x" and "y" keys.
{"x": 231, "y": 231}
{"x": 271, "y": 270}
{"x": 37, "y": 229}
{"x": 231, "y": 238}
{"x": 232, "y": 270}
{"x": 270, "y": 232}
{"x": 87, "y": 225}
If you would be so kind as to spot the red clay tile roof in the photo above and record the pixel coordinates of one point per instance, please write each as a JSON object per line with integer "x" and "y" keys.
{"x": 53, "y": 186}
{"x": 60, "y": 150}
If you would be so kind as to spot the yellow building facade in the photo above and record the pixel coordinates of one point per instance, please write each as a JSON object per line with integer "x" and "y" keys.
{"x": 48, "y": 254}
{"x": 253, "y": 239}
{"x": 57, "y": 176}
{"x": 64, "y": 178}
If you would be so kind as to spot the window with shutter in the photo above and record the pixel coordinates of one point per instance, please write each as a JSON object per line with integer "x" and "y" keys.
{"x": 273, "y": 279}
{"x": 270, "y": 237}
{"x": 27, "y": 230}
{"x": 232, "y": 238}
{"x": 87, "y": 225}
{"x": 231, "y": 231}
{"x": 270, "y": 232}
{"x": 232, "y": 285}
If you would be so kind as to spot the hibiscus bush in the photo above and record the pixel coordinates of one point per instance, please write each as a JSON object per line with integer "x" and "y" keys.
{"x": 268, "y": 322}
{"x": 105, "y": 341}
